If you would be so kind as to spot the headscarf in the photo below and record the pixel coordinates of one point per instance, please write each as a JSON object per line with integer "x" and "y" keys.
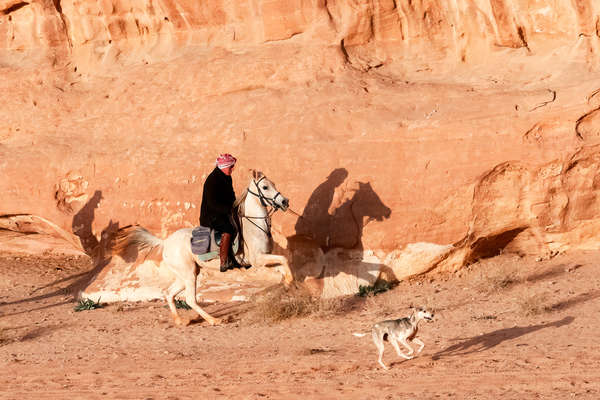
{"x": 225, "y": 160}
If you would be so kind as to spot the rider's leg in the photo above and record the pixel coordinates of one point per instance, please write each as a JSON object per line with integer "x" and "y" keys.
{"x": 228, "y": 260}
{"x": 224, "y": 251}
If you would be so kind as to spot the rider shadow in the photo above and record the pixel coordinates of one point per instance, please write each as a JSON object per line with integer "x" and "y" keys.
{"x": 333, "y": 221}
{"x": 316, "y": 221}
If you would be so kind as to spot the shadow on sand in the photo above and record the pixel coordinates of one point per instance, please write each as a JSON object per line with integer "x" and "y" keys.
{"x": 492, "y": 339}
{"x": 94, "y": 248}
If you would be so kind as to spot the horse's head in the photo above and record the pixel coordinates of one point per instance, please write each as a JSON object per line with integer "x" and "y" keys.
{"x": 368, "y": 204}
{"x": 266, "y": 191}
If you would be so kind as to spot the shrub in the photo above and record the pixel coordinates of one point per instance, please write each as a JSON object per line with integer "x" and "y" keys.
{"x": 279, "y": 304}
{"x": 87, "y": 304}
{"x": 182, "y": 304}
{"x": 373, "y": 290}
{"x": 493, "y": 277}
{"x": 535, "y": 304}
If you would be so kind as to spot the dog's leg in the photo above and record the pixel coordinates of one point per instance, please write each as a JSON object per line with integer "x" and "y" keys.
{"x": 380, "y": 347}
{"x": 380, "y": 360}
{"x": 420, "y": 343}
{"x": 394, "y": 343}
{"x": 405, "y": 344}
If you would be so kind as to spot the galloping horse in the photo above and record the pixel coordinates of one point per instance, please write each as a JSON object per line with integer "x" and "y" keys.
{"x": 256, "y": 206}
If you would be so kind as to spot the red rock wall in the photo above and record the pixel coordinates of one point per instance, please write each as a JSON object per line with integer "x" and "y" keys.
{"x": 369, "y": 33}
{"x": 114, "y": 111}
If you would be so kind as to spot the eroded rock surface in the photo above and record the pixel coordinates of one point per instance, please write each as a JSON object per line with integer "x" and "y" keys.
{"x": 412, "y": 137}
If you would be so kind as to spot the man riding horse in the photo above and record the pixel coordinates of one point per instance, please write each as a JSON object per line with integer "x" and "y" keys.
{"x": 218, "y": 198}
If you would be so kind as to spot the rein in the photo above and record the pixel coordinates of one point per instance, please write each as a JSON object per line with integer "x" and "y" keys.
{"x": 267, "y": 219}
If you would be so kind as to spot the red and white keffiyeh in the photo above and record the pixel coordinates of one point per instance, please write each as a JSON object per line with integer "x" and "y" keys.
{"x": 225, "y": 160}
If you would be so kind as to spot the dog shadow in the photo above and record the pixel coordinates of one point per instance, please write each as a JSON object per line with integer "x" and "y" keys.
{"x": 492, "y": 339}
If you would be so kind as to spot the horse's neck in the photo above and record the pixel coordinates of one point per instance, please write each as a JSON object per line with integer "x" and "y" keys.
{"x": 239, "y": 202}
{"x": 255, "y": 223}
{"x": 254, "y": 208}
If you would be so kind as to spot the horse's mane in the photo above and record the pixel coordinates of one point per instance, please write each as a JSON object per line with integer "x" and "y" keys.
{"x": 239, "y": 202}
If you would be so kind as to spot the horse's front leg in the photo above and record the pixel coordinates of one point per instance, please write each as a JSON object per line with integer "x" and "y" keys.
{"x": 265, "y": 260}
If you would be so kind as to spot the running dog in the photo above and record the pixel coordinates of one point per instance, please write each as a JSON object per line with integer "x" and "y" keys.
{"x": 399, "y": 330}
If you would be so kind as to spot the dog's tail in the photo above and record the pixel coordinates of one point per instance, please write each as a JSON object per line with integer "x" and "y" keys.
{"x": 359, "y": 334}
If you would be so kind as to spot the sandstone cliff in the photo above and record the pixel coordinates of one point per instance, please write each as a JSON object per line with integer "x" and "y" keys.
{"x": 412, "y": 136}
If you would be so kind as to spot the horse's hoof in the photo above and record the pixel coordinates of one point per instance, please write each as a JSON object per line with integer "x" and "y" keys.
{"x": 216, "y": 321}
{"x": 181, "y": 321}
{"x": 287, "y": 282}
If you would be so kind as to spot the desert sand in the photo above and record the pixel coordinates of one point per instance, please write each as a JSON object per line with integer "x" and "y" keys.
{"x": 505, "y": 327}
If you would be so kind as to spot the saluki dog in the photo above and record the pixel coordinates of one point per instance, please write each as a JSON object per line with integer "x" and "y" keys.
{"x": 400, "y": 330}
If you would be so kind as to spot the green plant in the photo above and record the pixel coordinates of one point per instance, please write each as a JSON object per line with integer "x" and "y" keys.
{"x": 376, "y": 288}
{"x": 182, "y": 304}
{"x": 87, "y": 304}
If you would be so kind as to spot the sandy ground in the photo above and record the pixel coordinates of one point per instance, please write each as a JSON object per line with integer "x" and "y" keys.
{"x": 507, "y": 326}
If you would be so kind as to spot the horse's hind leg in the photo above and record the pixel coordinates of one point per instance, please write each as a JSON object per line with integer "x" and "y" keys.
{"x": 190, "y": 298}
{"x": 173, "y": 291}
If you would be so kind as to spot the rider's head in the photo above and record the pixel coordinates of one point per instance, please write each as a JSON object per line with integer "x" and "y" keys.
{"x": 226, "y": 162}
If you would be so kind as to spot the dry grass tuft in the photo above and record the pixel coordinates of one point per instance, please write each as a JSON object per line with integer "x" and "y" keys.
{"x": 493, "y": 276}
{"x": 534, "y": 304}
{"x": 278, "y": 304}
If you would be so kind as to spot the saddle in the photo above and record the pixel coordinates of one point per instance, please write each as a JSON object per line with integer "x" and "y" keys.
{"x": 206, "y": 243}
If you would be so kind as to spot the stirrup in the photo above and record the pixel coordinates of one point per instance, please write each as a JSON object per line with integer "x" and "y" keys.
{"x": 231, "y": 265}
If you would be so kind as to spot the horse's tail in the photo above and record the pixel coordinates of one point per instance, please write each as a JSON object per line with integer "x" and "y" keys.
{"x": 135, "y": 236}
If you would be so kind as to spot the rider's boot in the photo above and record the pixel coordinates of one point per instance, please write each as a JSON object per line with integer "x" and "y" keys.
{"x": 224, "y": 251}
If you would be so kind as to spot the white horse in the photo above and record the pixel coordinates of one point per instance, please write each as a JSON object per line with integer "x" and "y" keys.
{"x": 256, "y": 206}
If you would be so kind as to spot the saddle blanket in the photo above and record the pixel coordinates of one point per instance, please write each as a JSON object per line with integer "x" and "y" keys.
{"x": 205, "y": 243}
{"x": 200, "y": 240}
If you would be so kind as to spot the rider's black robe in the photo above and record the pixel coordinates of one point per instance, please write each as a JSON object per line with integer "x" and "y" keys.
{"x": 217, "y": 201}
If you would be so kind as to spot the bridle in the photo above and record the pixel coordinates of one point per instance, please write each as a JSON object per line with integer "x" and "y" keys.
{"x": 266, "y": 202}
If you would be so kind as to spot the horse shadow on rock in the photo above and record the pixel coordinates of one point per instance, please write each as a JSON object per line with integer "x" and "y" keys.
{"x": 329, "y": 234}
